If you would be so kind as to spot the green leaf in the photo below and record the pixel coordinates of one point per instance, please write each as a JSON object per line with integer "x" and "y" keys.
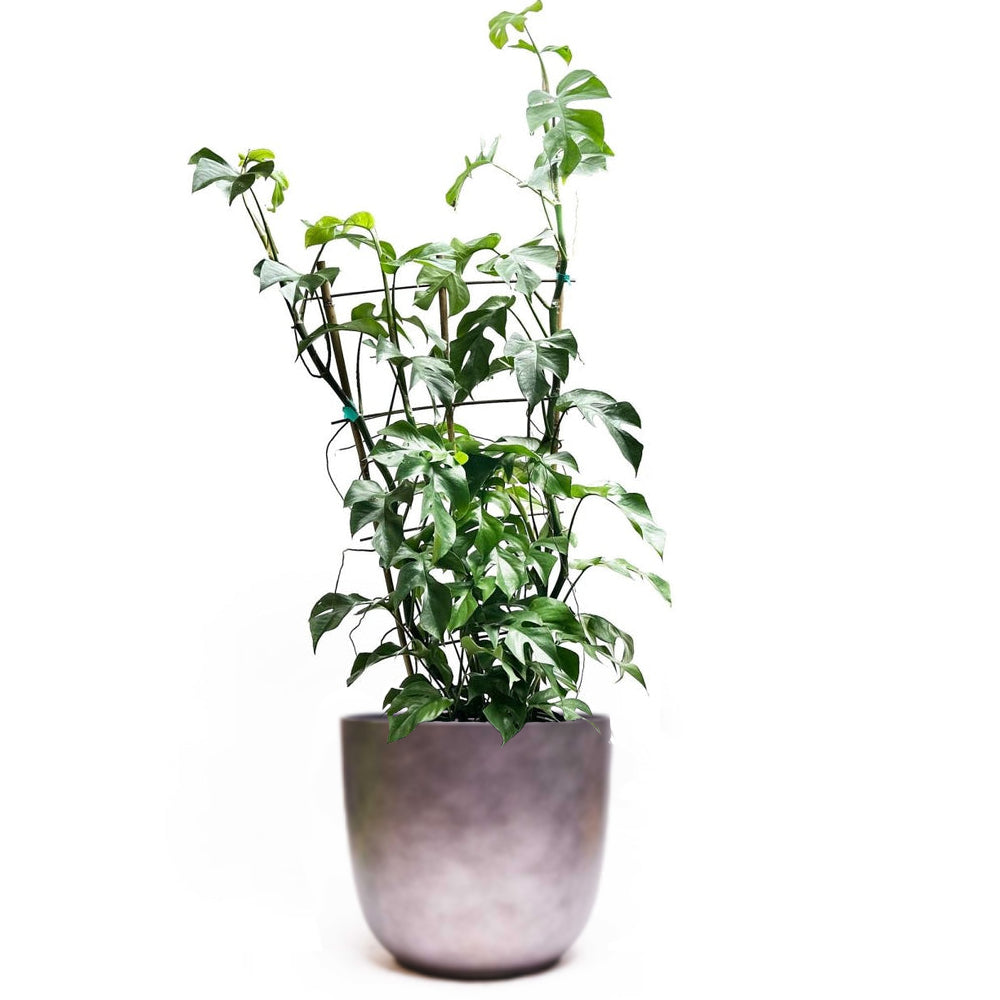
{"x": 555, "y": 614}
{"x": 505, "y": 20}
{"x": 573, "y": 708}
{"x": 366, "y": 500}
{"x": 280, "y": 187}
{"x": 625, "y": 568}
{"x": 329, "y": 611}
{"x": 506, "y": 716}
{"x": 661, "y": 585}
{"x": 425, "y": 437}
{"x": 568, "y": 127}
{"x": 563, "y": 51}
{"x": 262, "y": 169}
{"x": 436, "y": 611}
{"x": 362, "y": 220}
{"x": 533, "y": 357}
{"x": 463, "y": 608}
{"x": 259, "y": 155}
{"x": 437, "y": 375}
{"x": 450, "y": 480}
{"x": 600, "y": 630}
{"x": 518, "y": 266}
{"x": 511, "y": 571}
{"x": 322, "y": 231}
{"x": 272, "y": 272}
{"x": 635, "y": 508}
{"x": 485, "y": 157}
{"x": 615, "y": 416}
{"x": 479, "y": 471}
{"x": 443, "y": 264}
{"x": 633, "y": 671}
{"x": 210, "y": 170}
{"x": 415, "y": 701}
{"x": 206, "y": 154}
{"x": 489, "y": 534}
{"x": 471, "y": 349}
{"x": 633, "y": 505}
{"x": 364, "y": 660}
{"x": 330, "y": 227}
{"x": 444, "y": 529}
{"x": 463, "y": 252}
{"x": 434, "y": 277}
{"x": 388, "y": 536}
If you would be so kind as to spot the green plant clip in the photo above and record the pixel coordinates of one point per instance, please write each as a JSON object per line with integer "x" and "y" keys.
{"x": 351, "y": 414}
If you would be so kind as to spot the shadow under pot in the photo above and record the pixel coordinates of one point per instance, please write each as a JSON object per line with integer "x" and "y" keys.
{"x": 471, "y": 859}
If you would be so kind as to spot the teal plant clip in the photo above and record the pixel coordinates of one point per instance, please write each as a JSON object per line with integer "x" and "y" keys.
{"x": 351, "y": 414}
{"x": 563, "y": 277}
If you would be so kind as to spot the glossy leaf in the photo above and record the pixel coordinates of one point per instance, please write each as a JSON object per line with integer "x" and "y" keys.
{"x": 210, "y": 169}
{"x": 415, "y": 701}
{"x": 437, "y": 375}
{"x": 532, "y": 358}
{"x": 518, "y": 266}
{"x": 329, "y": 611}
{"x": 614, "y": 415}
{"x": 625, "y": 568}
{"x": 436, "y": 611}
{"x": 444, "y": 528}
{"x": 569, "y": 126}
{"x": 364, "y": 660}
{"x": 506, "y": 716}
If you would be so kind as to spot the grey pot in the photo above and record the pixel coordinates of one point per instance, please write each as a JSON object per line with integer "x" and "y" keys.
{"x": 472, "y": 859}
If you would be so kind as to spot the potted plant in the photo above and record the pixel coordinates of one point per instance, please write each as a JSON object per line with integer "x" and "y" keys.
{"x": 476, "y": 802}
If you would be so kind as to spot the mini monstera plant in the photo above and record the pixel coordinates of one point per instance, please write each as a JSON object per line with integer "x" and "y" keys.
{"x": 473, "y": 533}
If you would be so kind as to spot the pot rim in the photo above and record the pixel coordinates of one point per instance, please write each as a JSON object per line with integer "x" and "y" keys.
{"x": 378, "y": 717}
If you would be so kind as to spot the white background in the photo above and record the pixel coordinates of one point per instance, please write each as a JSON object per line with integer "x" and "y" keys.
{"x": 790, "y": 269}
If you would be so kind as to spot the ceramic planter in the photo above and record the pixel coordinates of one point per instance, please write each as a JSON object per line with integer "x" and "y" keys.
{"x": 472, "y": 859}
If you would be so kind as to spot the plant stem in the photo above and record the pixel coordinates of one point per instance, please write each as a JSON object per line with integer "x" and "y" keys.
{"x": 449, "y": 412}
{"x": 541, "y": 61}
{"x": 330, "y": 314}
{"x": 404, "y": 394}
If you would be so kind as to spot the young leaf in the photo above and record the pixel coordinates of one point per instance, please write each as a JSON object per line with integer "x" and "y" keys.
{"x": 500, "y": 24}
{"x": 485, "y": 157}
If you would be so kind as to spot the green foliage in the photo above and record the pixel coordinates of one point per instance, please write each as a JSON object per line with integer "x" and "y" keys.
{"x": 474, "y": 535}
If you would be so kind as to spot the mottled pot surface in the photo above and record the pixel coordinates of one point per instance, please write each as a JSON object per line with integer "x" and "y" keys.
{"x": 473, "y": 859}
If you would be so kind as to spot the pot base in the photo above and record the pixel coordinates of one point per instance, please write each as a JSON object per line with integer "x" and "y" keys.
{"x": 441, "y": 972}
